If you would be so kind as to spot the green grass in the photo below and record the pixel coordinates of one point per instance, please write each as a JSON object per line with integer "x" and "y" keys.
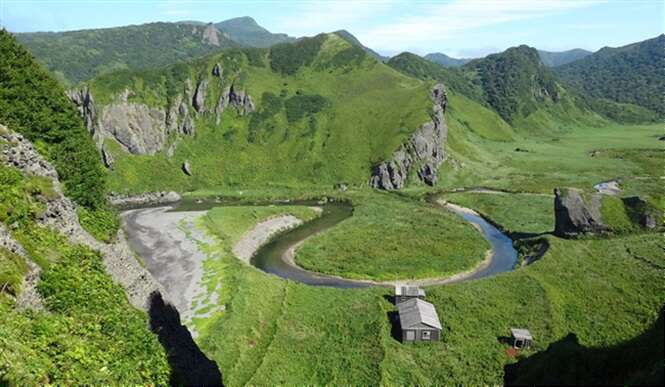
{"x": 325, "y": 123}
{"x": 275, "y": 331}
{"x": 515, "y": 213}
{"x": 88, "y": 330}
{"x": 102, "y": 223}
{"x": 390, "y": 238}
{"x": 232, "y": 222}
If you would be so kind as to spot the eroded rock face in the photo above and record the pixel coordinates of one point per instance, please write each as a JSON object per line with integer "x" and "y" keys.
{"x": 574, "y": 215}
{"x": 424, "y": 151}
{"x": 61, "y": 215}
{"x": 141, "y": 129}
{"x": 85, "y": 105}
{"x": 211, "y": 35}
{"x": 138, "y": 128}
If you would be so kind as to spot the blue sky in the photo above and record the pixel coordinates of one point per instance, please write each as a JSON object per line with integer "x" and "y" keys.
{"x": 460, "y": 28}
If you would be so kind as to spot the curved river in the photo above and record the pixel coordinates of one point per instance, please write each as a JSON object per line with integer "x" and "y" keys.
{"x": 273, "y": 256}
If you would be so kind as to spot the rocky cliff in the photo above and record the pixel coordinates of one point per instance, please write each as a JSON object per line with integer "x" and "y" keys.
{"x": 145, "y": 130}
{"x": 577, "y": 213}
{"x": 574, "y": 215}
{"x": 423, "y": 152}
{"x": 60, "y": 214}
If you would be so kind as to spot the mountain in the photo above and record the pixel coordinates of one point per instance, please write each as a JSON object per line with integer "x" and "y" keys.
{"x": 248, "y": 32}
{"x": 346, "y": 35}
{"x": 445, "y": 60}
{"x": 316, "y": 111}
{"x": 553, "y": 59}
{"x": 517, "y": 85}
{"x": 75, "y": 56}
{"x": 35, "y": 105}
{"x": 630, "y": 74}
{"x": 57, "y": 300}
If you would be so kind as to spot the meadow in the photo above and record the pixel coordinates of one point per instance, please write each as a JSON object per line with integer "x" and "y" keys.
{"x": 277, "y": 331}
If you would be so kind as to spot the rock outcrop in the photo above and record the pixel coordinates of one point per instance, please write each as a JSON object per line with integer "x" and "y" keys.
{"x": 145, "y": 130}
{"x": 85, "y": 105}
{"x": 144, "y": 199}
{"x": 28, "y": 297}
{"x": 187, "y": 168}
{"x": 211, "y": 35}
{"x": 574, "y": 215}
{"x": 423, "y": 152}
{"x": 61, "y": 215}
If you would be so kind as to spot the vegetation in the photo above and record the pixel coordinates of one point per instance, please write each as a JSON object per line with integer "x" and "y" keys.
{"x": 629, "y": 74}
{"x": 323, "y": 125}
{"x": 288, "y": 58}
{"x": 554, "y": 59}
{"x": 246, "y": 31}
{"x": 445, "y": 60}
{"x": 516, "y": 213}
{"x": 34, "y": 104}
{"x": 76, "y": 56}
{"x": 390, "y": 238}
{"x": 101, "y": 223}
{"x": 514, "y": 82}
{"x": 275, "y": 331}
{"x": 88, "y": 331}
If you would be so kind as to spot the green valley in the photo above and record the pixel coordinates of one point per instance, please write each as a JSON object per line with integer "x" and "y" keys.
{"x": 211, "y": 203}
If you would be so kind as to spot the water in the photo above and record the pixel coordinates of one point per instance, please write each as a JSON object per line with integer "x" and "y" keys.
{"x": 270, "y": 257}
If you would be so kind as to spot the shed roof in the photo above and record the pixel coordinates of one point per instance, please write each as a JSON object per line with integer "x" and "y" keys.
{"x": 406, "y": 290}
{"x": 415, "y": 312}
{"x": 523, "y": 334}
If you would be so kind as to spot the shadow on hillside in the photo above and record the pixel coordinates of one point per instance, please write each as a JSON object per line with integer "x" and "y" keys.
{"x": 638, "y": 361}
{"x": 189, "y": 366}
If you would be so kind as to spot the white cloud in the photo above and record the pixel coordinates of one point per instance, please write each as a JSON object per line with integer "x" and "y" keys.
{"x": 444, "y": 21}
{"x": 312, "y": 17}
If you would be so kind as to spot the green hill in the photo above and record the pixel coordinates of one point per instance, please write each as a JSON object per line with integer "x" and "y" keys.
{"x": 317, "y": 111}
{"x": 75, "y": 56}
{"x": 346, "y": 35}
{"x": 248, "y": 32}
{"x": 445, "y": 60}
{"x": 558, "y": 58}
{"x": 630, "y": 74}
{"x": 34, "y": 104}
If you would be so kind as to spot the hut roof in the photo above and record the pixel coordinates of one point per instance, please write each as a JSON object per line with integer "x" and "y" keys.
{"x": 406, "y": 290}
{"x": 522, "y": 334}
{"x": 415, "y": 312}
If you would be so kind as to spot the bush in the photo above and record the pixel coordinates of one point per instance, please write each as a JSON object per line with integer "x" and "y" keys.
{"x": 102, "y": 223}
{"x": 287, "y": 58}
{"x": 300, "y": 105}
{"x": 34, "y": 104}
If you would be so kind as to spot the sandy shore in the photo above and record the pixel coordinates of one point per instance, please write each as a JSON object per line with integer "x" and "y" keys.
{"x": 260, "y": 234}
{"x": 168, "y": 242}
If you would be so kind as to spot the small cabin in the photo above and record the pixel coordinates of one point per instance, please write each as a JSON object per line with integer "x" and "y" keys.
{"x": 405, "y": 293}
{"x": 418, "y": 321}
{"x": 521, "y": 338}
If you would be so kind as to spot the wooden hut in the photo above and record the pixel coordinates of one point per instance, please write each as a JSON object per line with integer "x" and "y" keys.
{"x": 418, "y": 321}
{"x": 405, "y": 293}
{"x": 521, "y": 338}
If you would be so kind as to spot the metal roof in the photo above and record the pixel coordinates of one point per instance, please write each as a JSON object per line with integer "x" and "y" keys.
{"x": 523, "y": 334}
{"x": 406, "y": 290}
{"x": 416, "y": 311}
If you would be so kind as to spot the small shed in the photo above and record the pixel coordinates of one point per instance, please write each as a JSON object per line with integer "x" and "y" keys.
{"x": 521, "y": 338}
{"x": 418, "y": 321}
{"x": 406, "y": 292}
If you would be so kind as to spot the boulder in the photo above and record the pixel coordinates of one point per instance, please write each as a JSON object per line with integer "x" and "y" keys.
{"x": 107, "y": 158}
{"x": 217, "y": 71}
{"x": 424, "y": 151}
{"x": 574, "y": 215}
{"x": 198, "y": 101}
{"x": 187, "y": 168}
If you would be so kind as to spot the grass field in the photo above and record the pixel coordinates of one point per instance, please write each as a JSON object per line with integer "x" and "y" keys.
{"x": 515, "y": 213}
{"x": 389, "y": 237}
{"x": 275, "y": 331}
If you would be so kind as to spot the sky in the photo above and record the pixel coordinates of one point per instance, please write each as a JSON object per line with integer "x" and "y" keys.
{"x": 459, "y": 28}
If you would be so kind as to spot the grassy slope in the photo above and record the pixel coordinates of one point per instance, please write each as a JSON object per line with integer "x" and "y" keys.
{"x": 88, "y": 331}
{"x": 370, "y": 111}
{"x": 392, "y": 238}
{"x": 275, "y": 331}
